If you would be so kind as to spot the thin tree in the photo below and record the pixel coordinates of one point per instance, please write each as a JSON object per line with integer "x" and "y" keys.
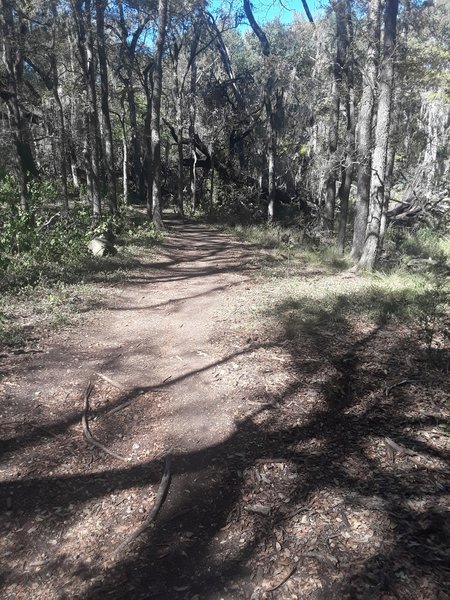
{"x": 156, "y": 114}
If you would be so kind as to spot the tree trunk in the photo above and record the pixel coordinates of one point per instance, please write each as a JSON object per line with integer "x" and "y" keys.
{"x": 178, "y": 100}
{"x": 193, "y": 115}
{"x": 379, "y": 158}
{"x": 348, "y": 168}
{"x": 91, "y": 144}
{"x": 271, "y": 158}
{"x": 364, "y": 137}
{"x": 108, "y": 148}
{"x": 156, "y": 115}
{"x": 12, "y": 44}
{"x": 127, "y": 54}
{"x": 339, "y": 8}
{"x": 271, "y": 117}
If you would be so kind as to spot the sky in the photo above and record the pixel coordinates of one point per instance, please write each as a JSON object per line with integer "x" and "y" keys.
{"x": 267, "y": 10}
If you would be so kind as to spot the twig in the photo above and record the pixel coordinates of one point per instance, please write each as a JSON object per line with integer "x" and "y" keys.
{"x": 399, "y": 449}
{"x": 84, "y": 421}
{"x": 392, "y": 447}
{"x": 111, "y": 381}
{"x": 283, "y": 581}
{"x": 160, "y": 497}
{"x": 388, "y": 388}
{"x": 117, "y": 408}
{"x": 49, "y": 222}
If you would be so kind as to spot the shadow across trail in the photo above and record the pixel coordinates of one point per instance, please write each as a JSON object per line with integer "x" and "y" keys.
{"x": 340, "y": 518}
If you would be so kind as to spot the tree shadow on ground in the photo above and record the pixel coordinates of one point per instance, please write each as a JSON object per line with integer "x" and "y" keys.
{"x": 345, "y": 520}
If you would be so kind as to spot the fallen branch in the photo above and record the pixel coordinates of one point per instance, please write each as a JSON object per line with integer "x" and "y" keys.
{"x": 400, "y": 449}
{"x": 288, "y": 575}
{"x": 160, "y": 497}
{"x": 117, "y": 408}
{"x": 388, "y": 388}
{"x": 392, "y": 447}
{"x": 258, "y": 509}
{"x": 84, "y": 421}
{"x": 44, "y": 226}
{"x": 111, "y": 381}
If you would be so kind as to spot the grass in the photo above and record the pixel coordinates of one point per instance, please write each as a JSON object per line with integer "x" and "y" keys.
{"x": 25, "y": 315}
{"x": 288, "y": 250}
{"x": 302, "y": 292}
{"x": 425, "y": 243}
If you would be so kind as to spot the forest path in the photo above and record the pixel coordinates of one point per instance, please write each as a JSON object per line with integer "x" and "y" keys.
{"x": 164, "y": 328}
{"x": 276, "y": 402}
{"x": 156, "y": 347}
{"x": 157, "y": 331}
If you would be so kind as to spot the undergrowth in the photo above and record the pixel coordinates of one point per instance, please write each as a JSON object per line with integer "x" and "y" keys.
{"x": 292, "y": 247}
{"x": 309, "y": 297}
{"x": 47, "y": 273}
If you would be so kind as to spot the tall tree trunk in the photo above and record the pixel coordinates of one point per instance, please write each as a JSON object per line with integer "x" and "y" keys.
{"x": 124, "y": 162}
{"x": 83, "y": 22}
{"x": 147, "y": 167}
{"x": 93, "y": 120}
{"x": 62, "y": 127}
{"x": 271, "y": 157}
{"x": 13, "y": 29}
{"x": 339, "y": 8}
{"x": 193, "y": 115}
{"x": 156, "y": 114}
{"x": 348, "y": 167}
{"x": 379, "y": 158}
{"x": 387, "y": 188}
{"x": 178, "y": 101}
{"x": 364, "y": 134}
{"x": 127, "y": 58}
{"x": 271, "y": 117}
{"x": 108, "y": 148}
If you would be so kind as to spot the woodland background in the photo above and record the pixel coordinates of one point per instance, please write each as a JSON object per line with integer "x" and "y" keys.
{"x": 335, "y": 125}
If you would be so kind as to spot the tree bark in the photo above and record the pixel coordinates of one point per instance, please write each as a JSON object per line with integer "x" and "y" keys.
{"x": 127, "y": 56}
{"x": 348, "y": 167}
{"x": 364, "y": 134}
{"x": 193, "y": 114}
{"x": 108, "y": 144}
{"x": 83, "y": 22}
{"x": 271, "y": 117}
{"x": 13, "y": 29}
{"x": 379, "y": 159}
{"x": 339, "y": 8}
{"x": 156, "y": 115}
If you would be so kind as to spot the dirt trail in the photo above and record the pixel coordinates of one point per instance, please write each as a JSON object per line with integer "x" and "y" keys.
{"x": 157, "y": 332}
{"x": 283, "y": 485}
{"x": 155, "y": 345}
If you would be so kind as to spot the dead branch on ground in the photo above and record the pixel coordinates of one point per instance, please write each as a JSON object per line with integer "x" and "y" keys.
{"x": 160, "y": 497}
{"x": 84, "y": 421}
{"x": 388, "y": 388}
{"x": 111, "y": 381}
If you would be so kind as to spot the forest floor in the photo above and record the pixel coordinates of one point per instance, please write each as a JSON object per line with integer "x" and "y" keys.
{"x": 309, "y": 458}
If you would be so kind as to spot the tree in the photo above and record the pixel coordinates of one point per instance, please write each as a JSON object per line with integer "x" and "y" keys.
{"x": 380, "y": 152}
{"x": 156, "y": 113}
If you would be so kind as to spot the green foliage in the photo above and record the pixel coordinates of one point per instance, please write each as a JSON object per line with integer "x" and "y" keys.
{"x": 292, "y": 244}
{"x": 237, "y": 205}
{"x": 43, "y": 246}
{"x": 35, "y": 247}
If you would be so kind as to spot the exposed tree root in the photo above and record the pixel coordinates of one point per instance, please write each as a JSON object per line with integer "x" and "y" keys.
{"x": 84, "y": 421}
{"x": 160, "y": 497}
